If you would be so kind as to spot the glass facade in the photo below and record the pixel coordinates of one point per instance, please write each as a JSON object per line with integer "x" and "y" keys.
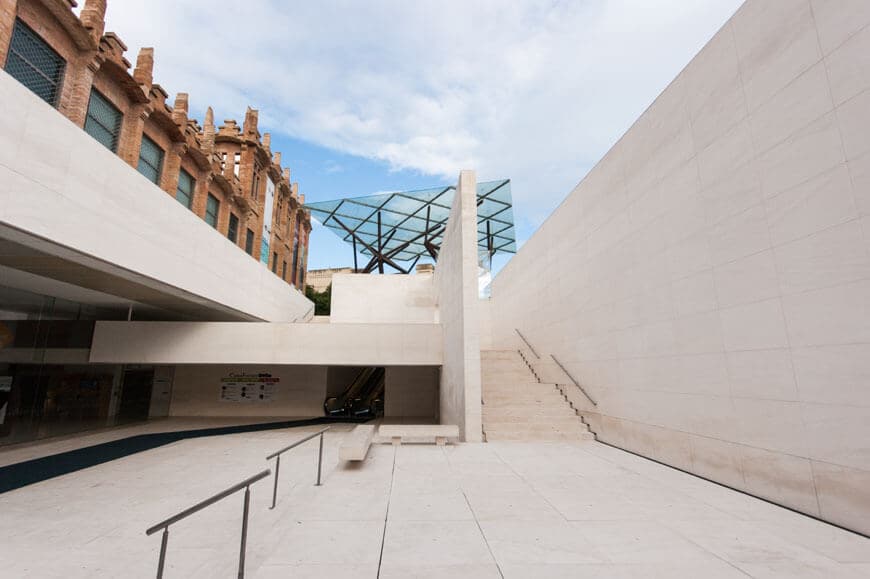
{"x": 34, "y": 64}
{"x": 47, "y": 387}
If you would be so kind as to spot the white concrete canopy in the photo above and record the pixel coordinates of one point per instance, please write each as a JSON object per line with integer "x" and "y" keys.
{"x": 73, "y": 211}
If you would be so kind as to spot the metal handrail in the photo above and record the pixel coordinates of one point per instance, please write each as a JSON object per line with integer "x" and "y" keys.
{"x": 277, "y": 456}
{"x": 527, "y": 343}
{"x": 245, "y": 484}
{"x": 576, "y": 383}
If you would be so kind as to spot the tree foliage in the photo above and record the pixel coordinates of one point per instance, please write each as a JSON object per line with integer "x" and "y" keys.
{"x": 322, "y": 300}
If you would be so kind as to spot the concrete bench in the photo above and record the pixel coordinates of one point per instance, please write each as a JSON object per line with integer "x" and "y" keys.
{"x": 440, "y": 432}
{"x": 356, "y": 444}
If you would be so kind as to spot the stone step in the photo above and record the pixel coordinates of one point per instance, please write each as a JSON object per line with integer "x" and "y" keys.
{"x": 511, "y": 414}
{"x": 493, "y": 436}
{"x": 523, "y": 374}
{"x": 499, "y": 355}
{"x": 537, "y": 423}
{"x": 527, "y": 426}
{"x": 518, "y": 386}
{"x": 553, "y": 397}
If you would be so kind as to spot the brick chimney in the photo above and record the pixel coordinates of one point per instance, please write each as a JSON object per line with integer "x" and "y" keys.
{"x": 180, "y": 109}
{"x": 249, "y": 128}
{"x": 287, "y": 174}
{"x": 267, "y": 141}
{"x": 144, "y": 71}
{"x": 208, "y": 131}
{"x": 276, "y": 158}
{"x": 94, "y": 18}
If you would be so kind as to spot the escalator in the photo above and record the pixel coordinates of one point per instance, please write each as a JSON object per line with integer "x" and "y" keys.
{"x": 363, "y": 398}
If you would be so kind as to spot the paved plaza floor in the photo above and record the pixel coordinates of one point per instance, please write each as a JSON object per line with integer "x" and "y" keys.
{"x": 468, "y": 510}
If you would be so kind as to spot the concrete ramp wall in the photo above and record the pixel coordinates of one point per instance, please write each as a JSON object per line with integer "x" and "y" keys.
{"x": 709, "y": 281}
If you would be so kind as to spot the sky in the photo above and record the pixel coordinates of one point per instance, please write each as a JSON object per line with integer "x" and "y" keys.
{"x": 374, "y": 96}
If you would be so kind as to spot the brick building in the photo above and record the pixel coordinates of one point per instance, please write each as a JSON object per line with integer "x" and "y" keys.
{"x": 226, "y": 175}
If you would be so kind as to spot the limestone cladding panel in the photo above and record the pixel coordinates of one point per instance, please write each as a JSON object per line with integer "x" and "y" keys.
{"x": 717, "y": 300}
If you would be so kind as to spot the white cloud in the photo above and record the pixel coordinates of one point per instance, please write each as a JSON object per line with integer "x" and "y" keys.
{"x": 535, "y": 91}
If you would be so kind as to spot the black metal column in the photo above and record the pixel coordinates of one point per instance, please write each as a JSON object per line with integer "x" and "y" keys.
{"x": 380, "y": 246}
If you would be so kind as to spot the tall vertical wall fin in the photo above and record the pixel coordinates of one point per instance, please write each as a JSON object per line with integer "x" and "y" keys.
{"x": 456, "y": 287}
{"x": 709, "y": 280}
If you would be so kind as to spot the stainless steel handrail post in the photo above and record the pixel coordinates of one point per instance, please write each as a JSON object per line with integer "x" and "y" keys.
{"x": 164, "y": 525}
{"x": 275, "y": 486}
{"x": 244, "y": 533}
{"x": 277, "y": 456}
{"x": 163, "y": 542}
{"x": 319, "y": 459}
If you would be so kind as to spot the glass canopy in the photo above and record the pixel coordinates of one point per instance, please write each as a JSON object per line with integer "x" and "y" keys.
{"x": 412, "y": 222}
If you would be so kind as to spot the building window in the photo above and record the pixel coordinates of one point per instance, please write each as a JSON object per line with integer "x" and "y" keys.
{"x": 103, "y": 121}
{"x": 255, "y": 183}
{"x": 184, "y": 192}
{"x": 150, "y": 160}
{"x": 34, "y": 64}
{"x": 295, "y": 260}
{"x": 249, "y": 242}
{"x": 233, "y": 228}
{"x": 237, "y": 160}
{"x": 274, "y": 262}
{"x": 212, "y": 207}
{"x": 284, "y": 269}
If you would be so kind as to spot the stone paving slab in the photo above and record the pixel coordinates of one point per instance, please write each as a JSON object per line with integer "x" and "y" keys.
{"x": 512, "y": 510}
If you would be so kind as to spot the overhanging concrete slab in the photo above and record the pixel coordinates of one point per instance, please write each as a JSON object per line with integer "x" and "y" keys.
{"x": 267, "y": 343}
{"x": 71, "y": 210}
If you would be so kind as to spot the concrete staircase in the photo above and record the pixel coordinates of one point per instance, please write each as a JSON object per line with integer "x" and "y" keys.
{"x": 518, "y": 407}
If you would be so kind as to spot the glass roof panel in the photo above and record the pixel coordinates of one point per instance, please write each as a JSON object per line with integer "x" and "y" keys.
{"x": 404, "y": 218}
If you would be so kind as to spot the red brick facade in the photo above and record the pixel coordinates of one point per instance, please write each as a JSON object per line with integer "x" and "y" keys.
{"x": 232, "y": 164}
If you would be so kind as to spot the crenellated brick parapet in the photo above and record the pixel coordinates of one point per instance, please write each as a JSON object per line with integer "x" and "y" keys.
{"x": 227, "y": 175}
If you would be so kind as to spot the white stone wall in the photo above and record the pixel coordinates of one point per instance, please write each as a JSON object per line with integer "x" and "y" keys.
{"x": 709, "y": 280}
{"x": 299, "y": 393}
{"x": 366, "y": 298}
{"x": 485, "y": 322}
{"x": 456, "y": 286}
{"x": 411, "y": 392}
{"x": 64, "y": 193}
{"x": 265, "y": 343}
